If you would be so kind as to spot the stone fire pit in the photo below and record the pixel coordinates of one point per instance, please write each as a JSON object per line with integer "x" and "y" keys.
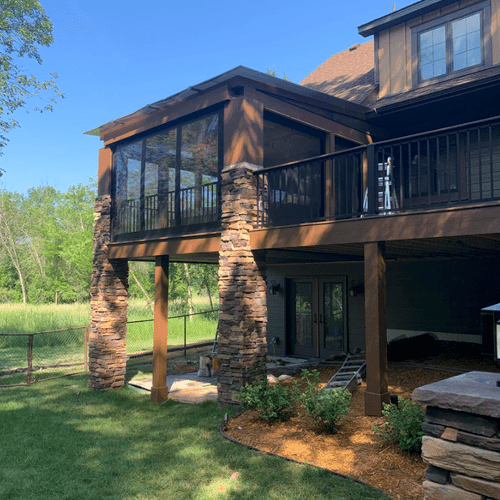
{"x": 462, "y": 441}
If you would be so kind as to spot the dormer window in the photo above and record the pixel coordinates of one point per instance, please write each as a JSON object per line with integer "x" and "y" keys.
{"x": 466, "y": 40}
{"x": 432, "y": 53}
{"x": 453, "y": 45}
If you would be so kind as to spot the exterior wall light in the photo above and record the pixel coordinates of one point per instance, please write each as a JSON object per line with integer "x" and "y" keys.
{"x": 356, "y": 289}
{"x": 274, "y": 288}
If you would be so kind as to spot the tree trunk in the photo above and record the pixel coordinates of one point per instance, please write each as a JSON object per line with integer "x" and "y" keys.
{"x": 209, "y": 296}
{"x": 23, "y": 286}
{"x": 9, "y": 243}
{"x": 143, "y": 290}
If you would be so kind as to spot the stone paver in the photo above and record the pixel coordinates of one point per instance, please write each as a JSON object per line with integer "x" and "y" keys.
{"x": 185, "y": 387}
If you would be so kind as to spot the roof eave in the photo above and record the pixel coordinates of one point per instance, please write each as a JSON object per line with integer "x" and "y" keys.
{"x": 433, "y": 96}
{"x": 401, "y": 16}
{"x": 240, "y": 72}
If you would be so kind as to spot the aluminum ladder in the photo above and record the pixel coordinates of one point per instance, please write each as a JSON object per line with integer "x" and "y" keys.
{"x": 350, "y": 374}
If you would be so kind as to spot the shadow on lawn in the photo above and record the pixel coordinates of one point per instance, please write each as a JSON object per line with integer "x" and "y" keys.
{"x": 62, "y": 440}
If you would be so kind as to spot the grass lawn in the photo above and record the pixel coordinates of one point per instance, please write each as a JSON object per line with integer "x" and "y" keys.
{"x": 55, "y": 443}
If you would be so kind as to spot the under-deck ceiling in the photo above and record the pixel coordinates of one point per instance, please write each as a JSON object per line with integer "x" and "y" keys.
{"x": 431, "y": 248}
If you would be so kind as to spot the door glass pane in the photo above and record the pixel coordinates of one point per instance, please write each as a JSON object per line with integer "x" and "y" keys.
{"x": 333, "y": 307}
{"x": 303, "y": 298}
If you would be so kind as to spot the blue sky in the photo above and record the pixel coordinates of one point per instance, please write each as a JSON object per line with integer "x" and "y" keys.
{"x": 114, "y": 57}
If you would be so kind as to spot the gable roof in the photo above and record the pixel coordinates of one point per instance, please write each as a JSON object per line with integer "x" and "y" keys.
{"x": 263, "y": 82}
{"x": 348, "y": 75}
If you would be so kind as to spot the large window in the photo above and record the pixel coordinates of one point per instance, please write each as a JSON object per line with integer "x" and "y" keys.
{"x": 293, "y": 194}
{"x": 452, "y": 45}
{"x": 169, "y": 178}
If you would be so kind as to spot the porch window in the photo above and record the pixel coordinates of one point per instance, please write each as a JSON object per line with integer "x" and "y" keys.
{"x": 169, "y": 178}
{"x": 296, "y": 194}
{"x": 454, "y": 44}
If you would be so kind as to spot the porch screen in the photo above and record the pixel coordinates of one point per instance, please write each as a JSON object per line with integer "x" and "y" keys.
{"x": 168, "y": 179}
{"x": 295, "y": 193}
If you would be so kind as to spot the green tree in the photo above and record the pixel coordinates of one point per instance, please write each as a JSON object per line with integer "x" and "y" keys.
{"x": 206, "y": 281}
{"x": 24, "y": 27}
{"x": 46, "y": 244}
{"x": 13, "y": 238}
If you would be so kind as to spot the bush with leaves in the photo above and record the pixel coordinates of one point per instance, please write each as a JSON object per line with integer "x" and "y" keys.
{"x": 272, "y": 403}
{"x": 326, "y": 407}
{"x": 403, "y": 423}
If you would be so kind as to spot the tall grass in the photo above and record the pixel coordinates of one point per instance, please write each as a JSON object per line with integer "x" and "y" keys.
{"x": 32, "y": 318}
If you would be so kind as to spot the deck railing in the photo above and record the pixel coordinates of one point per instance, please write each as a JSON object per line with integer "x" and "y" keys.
{"x": 192, "y": 205}
{"x": 447, "y": 167}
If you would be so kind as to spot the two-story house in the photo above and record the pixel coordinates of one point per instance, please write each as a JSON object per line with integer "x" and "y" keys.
{"x": 358, "y": 206}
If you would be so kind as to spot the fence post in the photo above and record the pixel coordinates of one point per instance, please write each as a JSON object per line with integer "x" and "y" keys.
{"x": 185, "y": 317}
{"x": 30, "y": 359}
{"x": 85, "y": 347}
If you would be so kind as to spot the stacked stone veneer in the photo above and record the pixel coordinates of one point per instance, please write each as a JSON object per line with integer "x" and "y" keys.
{"x": 242, "y": 288}
{"x": 462, "y": 441}
{"x": 108, "y": 316}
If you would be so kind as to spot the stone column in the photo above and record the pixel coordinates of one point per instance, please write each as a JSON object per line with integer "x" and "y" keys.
{"x": 462, "y": 437}
{"x": 108, "y": 315}
{"x": 242, "y": 288}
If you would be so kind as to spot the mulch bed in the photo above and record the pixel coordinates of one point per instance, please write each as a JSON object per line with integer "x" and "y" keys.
{"x": 354, "y": 451}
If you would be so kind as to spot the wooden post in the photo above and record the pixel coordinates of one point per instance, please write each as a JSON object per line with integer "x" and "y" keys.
{"x": 104, "y": 171}
{"x": 185, "y": 321}
{"x": 86, "y": 348}
{"x": 159, "y": 390}
{"x": 30, "y": 359}
{"x": 375, "y": 329}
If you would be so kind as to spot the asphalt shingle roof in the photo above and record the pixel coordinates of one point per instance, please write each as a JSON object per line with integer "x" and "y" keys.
{"x": 347, "y": 75}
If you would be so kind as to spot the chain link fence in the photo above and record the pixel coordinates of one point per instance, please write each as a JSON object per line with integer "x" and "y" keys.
{"x": 184, "y": 332}
{"x": 26, "y": 358}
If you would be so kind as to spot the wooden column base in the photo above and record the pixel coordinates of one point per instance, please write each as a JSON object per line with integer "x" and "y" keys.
{"x": 159, "y": 394}
{"x": 373, "y": 403}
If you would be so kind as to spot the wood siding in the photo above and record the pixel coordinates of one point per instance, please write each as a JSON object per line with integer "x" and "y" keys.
{"x": 395, "y": 62}
{"x": 441, "y": 296}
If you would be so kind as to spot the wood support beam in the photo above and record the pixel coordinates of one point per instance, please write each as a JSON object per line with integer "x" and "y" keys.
{"x": 189, "y": 244}
{"x": 375, "y": 329}
{"x": 243, "y": 131}
{"x": 159, "y": 390}
{"x": 104, "y": 172}
{"x": 443, "y": 223}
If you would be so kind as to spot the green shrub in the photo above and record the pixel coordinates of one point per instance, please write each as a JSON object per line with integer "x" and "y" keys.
{"x": 272, "y": 403}
{"x": 326, "y": 407}
{"x": 402, "y": 424}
